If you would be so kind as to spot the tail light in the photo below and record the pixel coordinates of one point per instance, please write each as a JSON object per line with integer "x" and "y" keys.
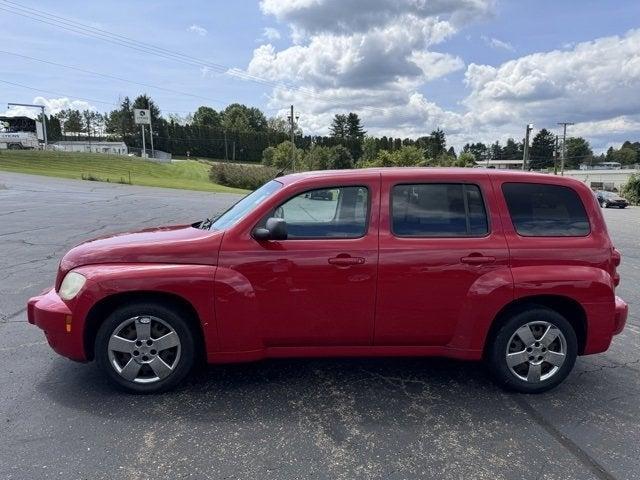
{"x": 616, "y": 258}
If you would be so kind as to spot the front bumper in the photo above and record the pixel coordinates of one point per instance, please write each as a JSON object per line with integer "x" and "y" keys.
{"x": 622, "y": 311}
{"x": 48, "y": 312}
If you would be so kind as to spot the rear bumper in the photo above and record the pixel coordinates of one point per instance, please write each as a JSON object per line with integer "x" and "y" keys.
{"x": 622, "y": 311}
{"x": 48, "y": 312}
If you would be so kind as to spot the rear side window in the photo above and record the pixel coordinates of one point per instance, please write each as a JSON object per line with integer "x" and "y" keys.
{"x": 539, "y": 210}
{"x": 438, "y": 210}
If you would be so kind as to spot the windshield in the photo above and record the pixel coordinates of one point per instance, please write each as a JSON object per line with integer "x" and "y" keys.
{"x": 244, "y": 206}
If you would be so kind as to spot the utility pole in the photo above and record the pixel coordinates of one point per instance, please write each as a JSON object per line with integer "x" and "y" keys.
{"x": 555, "y": 157}
{"x": 151, "y": 129}
{"x": 292, "y": 125}
{"x": 144, "y": 146}
{"x": 564, "y": 144}
{"x": 525, "y": 154}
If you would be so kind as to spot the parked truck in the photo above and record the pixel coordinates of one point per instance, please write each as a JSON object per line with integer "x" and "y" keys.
{"x": 19, "y": 133}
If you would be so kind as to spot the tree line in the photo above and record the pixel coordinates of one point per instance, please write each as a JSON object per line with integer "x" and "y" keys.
{"x": 242, "y": 133}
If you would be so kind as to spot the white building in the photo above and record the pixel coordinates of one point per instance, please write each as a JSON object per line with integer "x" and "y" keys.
{"x": 602, "y": 179}
{"x": 111, "y": 148}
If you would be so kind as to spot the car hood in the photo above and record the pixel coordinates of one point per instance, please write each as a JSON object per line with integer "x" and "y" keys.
{"x": 181, "y": 244}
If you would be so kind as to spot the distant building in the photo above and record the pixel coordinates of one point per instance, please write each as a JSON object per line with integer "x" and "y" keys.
{"x": 601, "y": 166}
{"x": 111, "y": 148}
{"x": 501, "y": 164}
{"x": 599, "y": 179}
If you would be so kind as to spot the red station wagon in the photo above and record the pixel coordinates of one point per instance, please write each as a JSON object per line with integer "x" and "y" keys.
{"x": 513, "y": 268}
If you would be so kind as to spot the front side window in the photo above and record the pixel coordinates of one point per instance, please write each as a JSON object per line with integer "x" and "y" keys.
{"x": 539, "y": 210}
{"x": 339, "y": 212}
{"x": 438, "y": 210}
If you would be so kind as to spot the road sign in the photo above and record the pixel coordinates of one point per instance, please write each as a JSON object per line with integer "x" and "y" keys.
{"x": 141, "y": 116}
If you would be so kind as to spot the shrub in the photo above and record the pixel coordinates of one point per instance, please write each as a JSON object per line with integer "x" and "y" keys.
{"x": 248, "y": 177}
{"x": 631, "y": 189}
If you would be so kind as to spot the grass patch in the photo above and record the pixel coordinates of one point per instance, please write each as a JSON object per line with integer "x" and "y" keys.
{"x": 186, "y": 175}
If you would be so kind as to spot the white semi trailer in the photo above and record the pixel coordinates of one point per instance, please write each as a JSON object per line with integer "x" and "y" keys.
{"x": 18, "y": 133}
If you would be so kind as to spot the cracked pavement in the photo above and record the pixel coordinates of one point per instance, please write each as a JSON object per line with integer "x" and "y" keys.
{"x": 329, "y": 418}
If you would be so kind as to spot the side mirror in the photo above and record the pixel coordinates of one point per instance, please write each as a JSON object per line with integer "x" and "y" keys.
{"x": 275, "y": 229}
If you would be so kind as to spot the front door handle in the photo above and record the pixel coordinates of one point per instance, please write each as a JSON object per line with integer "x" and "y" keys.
{"x": 477, "y": 260}
{"x": 345, "y": 261}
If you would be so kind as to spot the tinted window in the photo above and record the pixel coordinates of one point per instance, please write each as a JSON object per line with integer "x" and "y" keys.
{"x": 539, "y": 210}
{"x": 438, "y": 210}
{"x": 339, "y": 212}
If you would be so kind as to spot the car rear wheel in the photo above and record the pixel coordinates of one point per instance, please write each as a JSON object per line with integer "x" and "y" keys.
{"x": 533, "y": 351}
{"x": 145, "y": 348}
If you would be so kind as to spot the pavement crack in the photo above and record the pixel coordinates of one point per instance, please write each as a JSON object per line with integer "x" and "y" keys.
{"x": 581, "y": 455}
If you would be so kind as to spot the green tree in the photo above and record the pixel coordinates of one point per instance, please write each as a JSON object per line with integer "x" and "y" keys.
{"x": 280, "y": 156}
{"x": 631, "y": 189}
{"x": 542, "y": 150}
{"x": 73, "y": 121}
{"x": 206, "y": 117}
{"x": 512, "y": 150}
{"x": 625, "y": 156}
{"x": 369, "y": 149}
{"x": 318, "y": 158}
{"x": 338, "y": 128}
{"x": 340, "y": 158}
{"x": 354, "y": 129}
{"x": 466, "y": 159}
{"x": 240, "y": 118}
{"x": 578, "y": 151}
{"x": 479, "y": 151}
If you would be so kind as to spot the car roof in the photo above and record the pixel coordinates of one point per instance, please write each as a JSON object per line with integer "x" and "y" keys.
{"x": 421, "y": 172}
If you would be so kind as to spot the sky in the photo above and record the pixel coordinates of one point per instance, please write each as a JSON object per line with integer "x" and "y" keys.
{"x": 478, "y": 69}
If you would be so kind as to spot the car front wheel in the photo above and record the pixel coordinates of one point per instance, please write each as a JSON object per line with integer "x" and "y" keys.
{"x": 603, "y": 204}
{"x": 533, "y": 351}
{"x": 145, "y": 347}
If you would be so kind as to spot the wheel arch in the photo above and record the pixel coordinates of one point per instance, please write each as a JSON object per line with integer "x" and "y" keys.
{"x": 105, "y": 306}
{"x": 569, "y": 308}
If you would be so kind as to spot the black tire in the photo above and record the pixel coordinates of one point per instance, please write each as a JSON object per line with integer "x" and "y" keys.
{"x": 174, "y": 318}
{"x": 604, "y": 205}
{"x": 499, "y": 343}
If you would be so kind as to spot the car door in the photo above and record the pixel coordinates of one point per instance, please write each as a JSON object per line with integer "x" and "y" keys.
{"x": 317, "y": 287}
{"x": 441, "y": 250}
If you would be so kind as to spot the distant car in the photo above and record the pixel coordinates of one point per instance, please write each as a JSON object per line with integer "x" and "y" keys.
{"x": 513, "y": 268}
{"x": 610, "y": 199}
{"x": 320, "y": 195}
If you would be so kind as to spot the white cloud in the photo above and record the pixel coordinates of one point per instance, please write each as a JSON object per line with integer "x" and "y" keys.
{"x": 52, "y": 106}
{"x": 345, "y": 17}
{"x": 198, "y": 30}
{"x": 270, "y": 34}
{"x": 379, "y": 65}
{"x": 497, "y": 44}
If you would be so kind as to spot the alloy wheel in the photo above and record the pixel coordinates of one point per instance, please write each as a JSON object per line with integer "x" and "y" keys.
{"x": 144, "y": 349}
{"x": 536, "y": 351}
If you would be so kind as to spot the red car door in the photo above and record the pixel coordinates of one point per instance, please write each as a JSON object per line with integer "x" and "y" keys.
{"x": 442, "y": 251}
{"x": 316, "y": 288}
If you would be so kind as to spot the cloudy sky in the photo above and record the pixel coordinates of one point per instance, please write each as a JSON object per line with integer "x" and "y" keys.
{"x": 478, "y": 69}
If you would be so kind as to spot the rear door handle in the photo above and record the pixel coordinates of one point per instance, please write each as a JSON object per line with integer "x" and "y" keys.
{"x": 477, "y": 260}
{"x": 345, "y": 261}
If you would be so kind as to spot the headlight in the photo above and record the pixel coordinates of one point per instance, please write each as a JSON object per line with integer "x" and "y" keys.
{"x": 71, "y": 285}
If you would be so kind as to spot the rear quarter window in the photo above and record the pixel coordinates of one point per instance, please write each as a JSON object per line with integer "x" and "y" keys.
{"x": 541, "y": 210}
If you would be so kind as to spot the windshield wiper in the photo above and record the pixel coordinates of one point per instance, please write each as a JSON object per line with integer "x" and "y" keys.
{"x": 206, "y": 224}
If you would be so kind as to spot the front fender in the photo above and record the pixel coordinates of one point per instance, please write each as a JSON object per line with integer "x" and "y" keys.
{"x": 192, "y": 283}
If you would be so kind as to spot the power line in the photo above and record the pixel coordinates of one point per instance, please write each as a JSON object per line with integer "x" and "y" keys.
{"x": 87, "y": 30}
{"x": 92, "y": 100}
{"x": 113, "y": 77}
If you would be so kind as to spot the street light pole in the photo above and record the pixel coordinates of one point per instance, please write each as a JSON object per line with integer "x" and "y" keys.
{"x": 525, "y": 153}
{"x": 564, "y": 144}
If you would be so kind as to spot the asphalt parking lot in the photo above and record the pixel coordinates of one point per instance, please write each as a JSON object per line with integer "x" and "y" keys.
{"x": 338, "y": 419}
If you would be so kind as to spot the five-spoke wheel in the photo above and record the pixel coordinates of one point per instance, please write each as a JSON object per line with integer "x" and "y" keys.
{"x": 533, "y": 350}
{"x": 145, "y": 347}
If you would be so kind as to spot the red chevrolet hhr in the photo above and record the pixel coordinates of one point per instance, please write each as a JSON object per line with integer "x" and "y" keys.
{"x": 513, "y": 268}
